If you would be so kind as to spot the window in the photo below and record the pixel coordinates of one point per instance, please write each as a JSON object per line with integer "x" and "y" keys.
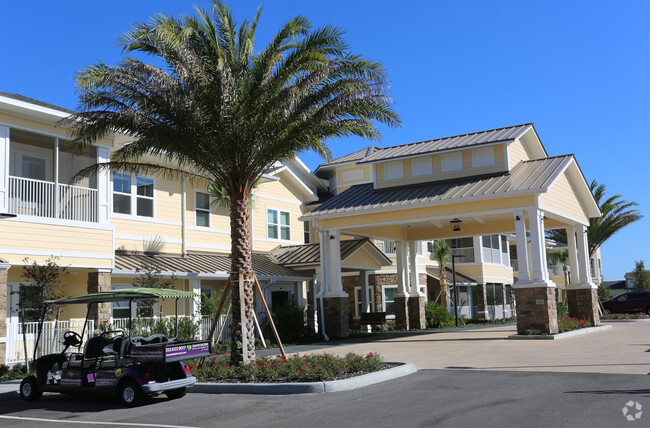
{"x": 505, "y": 260}
{"x": 462, "y": 247}
{"x": 202, "y": 209}
{"x": 353, "y": 175}
{"x": 389, "y": 299}
{"x": 483, "y": 156}
{"x": 491, "y": 249}
{"x": 422, "y": 166}
{"x": 33, "y": 167}
{"x": 121, "y": 309}
{"x": 393, "y": 170}
{"x": 123, "y": 192}
{"x": 306, "y": 232}
{"x": 278, "y": 224}
{"x": 358, "y": 301}
{"x": 452, "y": 161}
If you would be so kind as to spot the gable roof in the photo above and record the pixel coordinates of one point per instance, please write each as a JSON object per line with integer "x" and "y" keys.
{"x": 309, "y": 254}
{"x": 532, "y": 176}
{"x": 509, "y": 133}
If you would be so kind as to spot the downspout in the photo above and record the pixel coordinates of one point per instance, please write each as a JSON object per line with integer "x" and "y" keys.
{"x": 323, "y": 255}
{"x": 184, "y": 219}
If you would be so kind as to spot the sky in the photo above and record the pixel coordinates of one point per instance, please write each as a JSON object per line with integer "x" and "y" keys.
{"x": 579, "y": 70}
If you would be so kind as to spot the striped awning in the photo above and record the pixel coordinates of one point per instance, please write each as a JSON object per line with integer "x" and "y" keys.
{"x": 124, "y": 295}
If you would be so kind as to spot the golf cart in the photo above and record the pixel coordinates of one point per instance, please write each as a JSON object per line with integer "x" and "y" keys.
{"x": 115, "y": 362}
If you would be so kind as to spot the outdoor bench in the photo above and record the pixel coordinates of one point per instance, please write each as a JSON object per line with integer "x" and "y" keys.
{"x": 369, "y": 318}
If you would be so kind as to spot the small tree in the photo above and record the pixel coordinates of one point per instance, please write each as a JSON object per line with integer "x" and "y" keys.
{"x": 441, "y": 253}
{"x": 150, "y": 276}
{"x": 562, "y": 257}
{"x": 42, "y": 283}
{"x": 641, "y": 277}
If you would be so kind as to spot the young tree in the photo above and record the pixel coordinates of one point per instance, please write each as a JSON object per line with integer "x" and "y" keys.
{"x": 225, "y": 112}
{"x": 41, "y": 283}
{"x": 641, "y": 277}
{"x": 562, "y": 257}
{"x": 149, "y": 275}
{"x": 442, "y": 253}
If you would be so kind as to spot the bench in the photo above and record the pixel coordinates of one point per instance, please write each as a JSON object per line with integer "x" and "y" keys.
{"x": 368, "y": 318}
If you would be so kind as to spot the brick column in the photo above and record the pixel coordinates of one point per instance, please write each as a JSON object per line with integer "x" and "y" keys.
{"x": 481, "y": 301}
{"x": 401, "y": 312}
{"x": 417, "y": 317}
{"x": 583, "y": 304}
{"x": 536, "y": 309}
{"x": 99, "y": 281}
{"x": 4, "y": 267}
{"x": 336, "y": 316}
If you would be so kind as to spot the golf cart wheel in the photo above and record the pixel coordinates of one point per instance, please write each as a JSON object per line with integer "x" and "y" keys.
{"x": 29, "y": 389}
{"x": 130, "y": 393}
{"x": 176, "y": 393}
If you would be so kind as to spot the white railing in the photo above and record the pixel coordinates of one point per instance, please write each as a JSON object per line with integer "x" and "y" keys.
{"x": 51, "y": 340}
{"x": 38, "y": 198}
{"x": 141, "y": 327}
{"x": 389, "y": 248}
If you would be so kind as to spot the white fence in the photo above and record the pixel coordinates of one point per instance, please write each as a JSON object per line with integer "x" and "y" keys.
{"x": 50, "y": 342}
{"x": 40, "y": 198}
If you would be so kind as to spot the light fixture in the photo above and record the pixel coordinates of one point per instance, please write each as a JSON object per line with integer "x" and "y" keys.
{"x": 455, "y": 224}
{"x": 331, "y": 237}
{"x": 517, "y": 218}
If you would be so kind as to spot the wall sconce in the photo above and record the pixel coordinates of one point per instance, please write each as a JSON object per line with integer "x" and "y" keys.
{"x": 517, "y": 218}
{"x": 455, "y": 224}
{"x": 331, "y": 237}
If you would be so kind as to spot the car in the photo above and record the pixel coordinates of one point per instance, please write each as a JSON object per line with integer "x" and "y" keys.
{"x": 631, "y": 302}
{"x": 116, "y": 363}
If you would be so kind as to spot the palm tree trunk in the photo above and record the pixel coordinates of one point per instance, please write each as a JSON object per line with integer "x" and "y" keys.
{"x": 442, "y": 275}
{"x": 241, "y": 262}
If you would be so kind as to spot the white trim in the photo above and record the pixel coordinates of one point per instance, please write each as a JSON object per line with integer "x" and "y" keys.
{"x": 55, "y": 253}
{"x": 353, "y": 175}
{"x": 279, "y": 225}
{"x": 144, "y": 219}
{"x": 275, "y": 198}
{"x": 482, "y": 156}
{"x": 178, "y": 274}
{"x": 49, "y": 134}
{"x": 133, "y": 197}
{"x": 209, "y": 230}
{"x": 208, "y": 246}
{"x": 424, "y": 167}
{"x": 33, "y": 107}
{"x": 394, "y": 170}
{"x": 61, "y": 222}
{"x": 203, "y": 210}
{"x": 452, "y": 161}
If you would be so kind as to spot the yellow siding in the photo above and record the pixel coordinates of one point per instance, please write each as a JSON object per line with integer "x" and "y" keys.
{"x": 167, "y": 200}
{"x": 516, "y": 153}
{"x": 468, "y": 170}
{"x": 274, "y": 195}
{"x": 561, "y": 199}
{"x": 499, "y": 274}
{"x": 361, "y": 259}
{"x": 364, "y": 173}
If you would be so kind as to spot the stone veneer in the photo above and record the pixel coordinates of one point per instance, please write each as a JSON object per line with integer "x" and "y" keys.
{"x": 401, "y": 313}
{"x": 3, "y": 314}
{"x": 536, "y": 310}
{"x": 583, "y": 304}
{"x": 99, "y": 281}
{"x": 417, "y": 317}
{"x": 336, "y": 316}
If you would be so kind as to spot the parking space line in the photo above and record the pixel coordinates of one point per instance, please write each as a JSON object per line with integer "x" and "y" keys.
{"x": 131, "y": 424}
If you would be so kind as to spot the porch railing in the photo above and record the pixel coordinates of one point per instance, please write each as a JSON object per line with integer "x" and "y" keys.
{"x": 39, "y": 198}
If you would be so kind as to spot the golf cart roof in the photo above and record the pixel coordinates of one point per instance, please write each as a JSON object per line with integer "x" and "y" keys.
{"x": 124, "y": 295}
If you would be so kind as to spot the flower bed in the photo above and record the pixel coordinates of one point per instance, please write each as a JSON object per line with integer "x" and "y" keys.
{"x": 638, "y": 316}
{"x": 296, "y": 368}
{"x": 571, "y": 323}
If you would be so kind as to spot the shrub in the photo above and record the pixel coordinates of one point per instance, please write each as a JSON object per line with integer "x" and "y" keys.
{"x": 638, "y": 316}
{"x": 570, "y": 323}
{"x": 437, "y": 316}
{"x": 562, "y": 309}
{"x": 12, "y": 373}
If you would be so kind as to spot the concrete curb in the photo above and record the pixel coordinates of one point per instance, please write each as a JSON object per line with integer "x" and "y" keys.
{"x": 305, "y": 387}
{"x": 9, "y": 390}
{"x": 630, "y": 320}
{"x": 559, "y": 335}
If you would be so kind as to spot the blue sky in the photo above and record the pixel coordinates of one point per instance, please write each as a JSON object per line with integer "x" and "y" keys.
{"x": 579, "y": 70}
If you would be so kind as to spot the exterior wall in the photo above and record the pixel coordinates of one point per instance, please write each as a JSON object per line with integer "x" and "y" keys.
{"x": 348, "y": 176}
{"x": 437, "y": 174}
{"x": 561, "y": 199}
{"x": 516, "y": 153}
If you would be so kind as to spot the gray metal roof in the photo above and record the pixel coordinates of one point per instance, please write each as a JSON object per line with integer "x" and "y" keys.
{"x": 25, "y": 99}
{"x": 309, "y": 254}
{"x": 355, "y": 156}
{"x": 263, "y": 264}
{"x": 509, "y": 133}
{"x": 460, "y": 278}
{"x": 530, "y": 176}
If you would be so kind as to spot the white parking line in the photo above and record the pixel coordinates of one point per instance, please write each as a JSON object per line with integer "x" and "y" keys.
{"x": 130, "y": 424}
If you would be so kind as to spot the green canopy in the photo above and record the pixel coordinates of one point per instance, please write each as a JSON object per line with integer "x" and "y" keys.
{"x": 124, "y": 295}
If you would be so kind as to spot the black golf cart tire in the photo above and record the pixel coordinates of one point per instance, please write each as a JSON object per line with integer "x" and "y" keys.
{"x": 29, "y": 390}
{"x": 174, "y": 394}
{"x": 130, "y": 393}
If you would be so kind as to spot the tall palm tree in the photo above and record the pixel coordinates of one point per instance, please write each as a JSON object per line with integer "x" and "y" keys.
{"x": 221, "y": 111}
{"x": 442, "y": 253}
{"x": 616, "y": 214}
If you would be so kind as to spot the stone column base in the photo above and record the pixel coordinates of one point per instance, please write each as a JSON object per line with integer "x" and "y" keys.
{"x": 99, "y": 312}
{"x": 336, "y": 316}
{"x": 583, "y": 304}
{"x": 401, "y": 313}
{"x": 536, "y": 310}
{"x": 481, "y": 302}
{"x": 417, "y": 318}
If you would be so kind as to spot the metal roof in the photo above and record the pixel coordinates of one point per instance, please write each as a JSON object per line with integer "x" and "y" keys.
{"x": 25, "y": 99}
{"x": 263, "y": 265}
{"x": 460, "y": 278}
{"x": 355, "y": 156}
{"x": 509, "y": 133}
{"x": 310, "y": 253}
{"x": 531, "y": 176}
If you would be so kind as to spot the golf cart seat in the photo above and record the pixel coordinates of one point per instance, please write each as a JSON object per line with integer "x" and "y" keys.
{"x": 95, "y": 346}
{"x": 156, "y": 338}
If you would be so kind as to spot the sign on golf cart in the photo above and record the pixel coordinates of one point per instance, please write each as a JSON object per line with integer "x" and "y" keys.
{"x": 114, "y": 362}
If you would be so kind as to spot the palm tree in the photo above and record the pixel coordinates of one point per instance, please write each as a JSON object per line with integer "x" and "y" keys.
{"x": 616, "y": 214}
{"x": 220, "y": 112}
{"x": 441, "y": 253}
{"x": 562, "y": 257}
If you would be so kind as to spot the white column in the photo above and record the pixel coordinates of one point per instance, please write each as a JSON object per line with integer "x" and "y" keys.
{"x": 478, "y": 249}
{"x": 324, "y": 267}
{"x": 522, "y": 247}
{"x": 4, "y": 169}
{"x": 574, "y": 279}
{"x": 103, "y": 188}
{"x": 413, "y": 269}
{"x": 56, "y": 178}
{"x": 402, "y": 277}
{"x": 538, "y": 245}
{"x": 365, "y": 296}
{"x": 334, "y": 283}
{"x": 583, "y": 258}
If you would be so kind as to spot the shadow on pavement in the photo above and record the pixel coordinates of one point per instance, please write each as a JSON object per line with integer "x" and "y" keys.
{"x": 644, "y": 392}
{"x": 70, "y": 403}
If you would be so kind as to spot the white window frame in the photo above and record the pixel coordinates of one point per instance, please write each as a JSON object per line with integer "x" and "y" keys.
{"x": 134, "y": 307}
{"x": 279, "y": 225}
{"x": 134, "y": 197}
{"x": 422, "y": 166}
{"x": 357, "y": 302}
{"x": 16, "y": 158}
{"x": 483, "y": 156}
{"x": 204, "y": 210}
{"x": 306, "y": 232}
{"x": 451, "y": 161}
{"x": 393, "y": 170}
{"x": 353, "y": 175}
{"x": 383, "y": 300}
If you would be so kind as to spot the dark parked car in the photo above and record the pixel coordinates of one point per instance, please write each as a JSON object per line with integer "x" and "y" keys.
{"x": 631, "y": 302}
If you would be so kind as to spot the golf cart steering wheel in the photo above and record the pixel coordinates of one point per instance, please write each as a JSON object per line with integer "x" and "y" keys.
{"x": 70, "y": 338}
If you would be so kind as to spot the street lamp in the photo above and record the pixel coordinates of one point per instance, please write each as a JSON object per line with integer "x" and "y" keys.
{"x": 453, "y": 274}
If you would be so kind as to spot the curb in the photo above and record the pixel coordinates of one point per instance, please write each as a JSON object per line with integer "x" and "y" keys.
{"x": 559, "y": 335}
{"x": 7, "y": 391}
{"x": 305, "y": 387}
{"x": 628, "y": 320}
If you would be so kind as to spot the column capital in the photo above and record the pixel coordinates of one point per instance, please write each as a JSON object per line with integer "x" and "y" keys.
{"x": 4, "y": 267}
